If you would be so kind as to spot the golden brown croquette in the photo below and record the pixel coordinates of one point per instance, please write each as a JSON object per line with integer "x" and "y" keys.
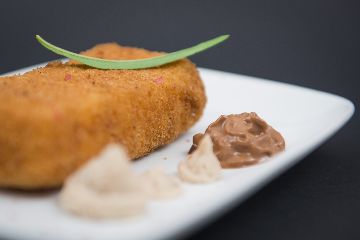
{"x": 55, "y": 118}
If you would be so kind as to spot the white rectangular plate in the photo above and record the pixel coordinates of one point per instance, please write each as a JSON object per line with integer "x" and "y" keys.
{"x": 305, "y": 117}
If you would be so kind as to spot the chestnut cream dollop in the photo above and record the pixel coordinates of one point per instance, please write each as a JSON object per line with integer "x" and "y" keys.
{"x": 105, "y": 187}
{"x": 241, "y": 139}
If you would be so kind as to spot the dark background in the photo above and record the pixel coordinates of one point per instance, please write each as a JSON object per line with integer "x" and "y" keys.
{"x": 308, "y": 43}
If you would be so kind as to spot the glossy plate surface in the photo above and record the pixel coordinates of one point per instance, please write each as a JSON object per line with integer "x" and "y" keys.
{"x": 305, "y": 117}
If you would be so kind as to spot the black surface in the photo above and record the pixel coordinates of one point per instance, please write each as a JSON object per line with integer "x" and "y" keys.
{"x": 308, "y": 43}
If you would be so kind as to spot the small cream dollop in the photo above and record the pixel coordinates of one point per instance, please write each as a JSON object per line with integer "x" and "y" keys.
{"x": 158, "y": 185}
{"x": 202, "y": 166}
{"x": 105, "y": 187}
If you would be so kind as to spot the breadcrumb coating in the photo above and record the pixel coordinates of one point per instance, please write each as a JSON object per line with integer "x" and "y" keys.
{"x": 55, "y": 118}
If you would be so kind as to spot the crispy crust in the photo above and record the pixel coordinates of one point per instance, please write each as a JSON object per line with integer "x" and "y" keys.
{"x": 53, "y": 119}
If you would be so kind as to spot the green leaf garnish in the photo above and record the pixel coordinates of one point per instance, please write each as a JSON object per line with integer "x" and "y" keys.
{"x": 133, "y": 64}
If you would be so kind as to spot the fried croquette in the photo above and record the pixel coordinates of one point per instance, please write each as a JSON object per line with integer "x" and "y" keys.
{"x": 55, "y": 118}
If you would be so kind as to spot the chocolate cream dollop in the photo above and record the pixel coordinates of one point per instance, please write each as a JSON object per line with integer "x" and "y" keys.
{"x": 241, "y": 139}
